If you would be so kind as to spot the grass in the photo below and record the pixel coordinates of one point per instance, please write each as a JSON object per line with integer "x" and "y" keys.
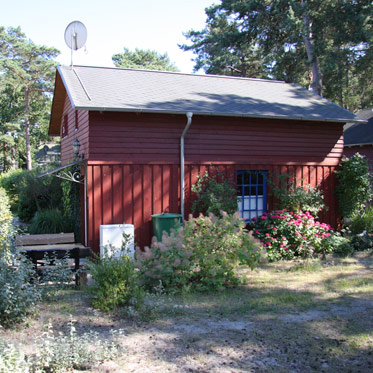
{"x": 292, "y": 316}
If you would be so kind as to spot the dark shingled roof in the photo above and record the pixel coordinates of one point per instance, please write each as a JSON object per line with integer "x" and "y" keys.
{"x": 115, "y": 89}
{"x": 360, "y": 134}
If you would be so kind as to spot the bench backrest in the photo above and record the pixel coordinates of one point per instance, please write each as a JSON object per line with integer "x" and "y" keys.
{"x": 44, "y": 239}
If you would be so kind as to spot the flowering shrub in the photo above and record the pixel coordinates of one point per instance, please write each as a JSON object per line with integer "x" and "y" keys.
{"x": 203, "y": 255}
{"x": 288, "y": 234}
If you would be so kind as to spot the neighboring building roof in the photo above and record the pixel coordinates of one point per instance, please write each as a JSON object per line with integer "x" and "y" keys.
{"x": 115, "y": 89}
{"x": 360, "y": 134}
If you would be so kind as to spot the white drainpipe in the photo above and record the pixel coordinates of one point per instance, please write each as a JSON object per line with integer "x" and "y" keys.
{"x": 182, "y": 170}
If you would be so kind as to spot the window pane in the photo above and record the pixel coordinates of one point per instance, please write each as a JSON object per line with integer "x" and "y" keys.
{"x": 260, "y": 178}
{"x": 239, "y": 178}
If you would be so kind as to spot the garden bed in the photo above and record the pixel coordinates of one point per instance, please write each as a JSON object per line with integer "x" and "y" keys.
{"x": 291, "y": 316}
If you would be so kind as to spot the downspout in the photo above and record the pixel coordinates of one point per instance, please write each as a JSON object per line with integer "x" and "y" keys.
{"x": 182, "y": 166}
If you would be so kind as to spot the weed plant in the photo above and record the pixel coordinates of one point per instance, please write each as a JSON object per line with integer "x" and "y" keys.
{"x": 61, "y": 352}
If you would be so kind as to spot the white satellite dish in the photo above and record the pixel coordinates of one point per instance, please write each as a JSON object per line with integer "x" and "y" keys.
{"x": 75, "y": 36}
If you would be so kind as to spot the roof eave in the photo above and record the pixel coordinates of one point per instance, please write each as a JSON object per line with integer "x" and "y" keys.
{"x": 239, "y": 115}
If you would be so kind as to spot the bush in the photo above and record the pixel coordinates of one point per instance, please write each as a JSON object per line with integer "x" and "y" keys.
{"x": 298, "y": 198}
{"x": 50, "y": 221}
{"x": 167, "y": 261}
{"x": 362, "y": 242}
{"x": 202, "y": 256}
{"x": 37, "y": 194}
{"x": 286, "y": 235}
{"x": 214, "y": 193}
{"x": 18, "y": 295}
{"x": 115, "y": 281}
{"x": 362, "y": 222}
{"x": 10, "y": 181}
{"x": 6, "y": 227}
{"x": 354, "y": 189}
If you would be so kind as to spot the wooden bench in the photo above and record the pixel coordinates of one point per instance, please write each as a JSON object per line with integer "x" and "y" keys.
{"x": 59, "y": 245}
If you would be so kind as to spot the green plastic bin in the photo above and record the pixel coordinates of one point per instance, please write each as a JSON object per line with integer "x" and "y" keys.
{"x": 165, "y": 222}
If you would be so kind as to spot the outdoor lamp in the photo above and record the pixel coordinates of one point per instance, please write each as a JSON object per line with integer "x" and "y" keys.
{"x": 76, "y": 147}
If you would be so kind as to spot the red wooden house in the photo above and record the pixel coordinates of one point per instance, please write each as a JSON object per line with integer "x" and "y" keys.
{"x": 130, "y": 125}
{"x": 358, "y": 137}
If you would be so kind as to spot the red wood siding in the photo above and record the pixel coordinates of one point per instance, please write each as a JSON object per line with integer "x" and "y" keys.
{"x": 67, "y": 153}
{"x": 131, "y": 193}
{"x": 149, "y": 138}
{"x": 133, "y": 161}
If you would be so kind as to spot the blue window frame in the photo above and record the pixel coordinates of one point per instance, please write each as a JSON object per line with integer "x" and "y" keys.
{"x": 251, "y": 193}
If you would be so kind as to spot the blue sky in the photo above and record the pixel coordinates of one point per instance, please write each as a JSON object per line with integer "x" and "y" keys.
{"x": 111, "y": 25}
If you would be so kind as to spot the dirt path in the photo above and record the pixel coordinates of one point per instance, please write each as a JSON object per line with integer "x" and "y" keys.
{"x": 284, "y": 320}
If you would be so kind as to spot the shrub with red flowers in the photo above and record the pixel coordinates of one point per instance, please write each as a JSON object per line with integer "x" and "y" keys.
{"x": 286, "y": 235}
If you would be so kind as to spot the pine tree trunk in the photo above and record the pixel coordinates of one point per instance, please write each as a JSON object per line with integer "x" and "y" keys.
{"x": 27, "y": 129}
{"x": 316, "y": 84}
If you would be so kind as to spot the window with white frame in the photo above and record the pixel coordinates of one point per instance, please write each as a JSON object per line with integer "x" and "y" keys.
{"x": 251, "y": 193}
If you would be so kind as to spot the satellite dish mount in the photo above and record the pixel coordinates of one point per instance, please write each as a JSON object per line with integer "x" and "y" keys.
{"x": 75, "y": 36}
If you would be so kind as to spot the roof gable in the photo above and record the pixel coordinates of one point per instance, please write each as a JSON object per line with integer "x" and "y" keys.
{"x": 115, "y": 89}
{"x": 360, "y": 134}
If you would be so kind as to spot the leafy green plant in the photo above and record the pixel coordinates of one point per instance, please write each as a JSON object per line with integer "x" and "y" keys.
{"x": 362, "y": 242}
{"x": 297, "y": 198}
{"x": 18, "y": 295}
{"x": 37, "y": 194}
{"x": 10, "y": 182}
{"x": 6, "y": 227}
{"x": 61, "y": 352}
{"x": 286, "y": 235}
{"x": 50, "y": 221}
{"x": 67, "y": 352}
{"x": 214, "y": 193}
{"x": 12, "y": 359}
{"x": 204, "y": 255}
{"x": 115, "y": 280}
{"x": 362, "y": 222}
{"x": 354, "y": 189}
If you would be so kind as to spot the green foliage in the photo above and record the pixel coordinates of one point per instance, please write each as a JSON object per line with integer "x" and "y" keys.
{"x": 18, "y": 295}
{"x": 10, "y": 181}
{"x": 167, "y": 261}
{"x": 143, "y": 59}
{"x": 62, "y": 352}
{"x": 12, "y": 359}
{"x": 29, "y": 194}
{"x": 291, "y": 41}
{"x": 6, "y": 226}
{"x": 115, "y": 280}
{"x": 50, "y": 221}
{"x": 298, "y": 198}
{"x": 354, "y": 190}
{"x": 362, "y": 222}
{"x": 213, "y": 194}
{"x": 286, "y": 235}
{"x": 37, "y": 194}
{"x": 202, "y": 256}
{"x": 28, "y": 70}
{"x": 67, "y": 352}
{"x": 362, "y": 242}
